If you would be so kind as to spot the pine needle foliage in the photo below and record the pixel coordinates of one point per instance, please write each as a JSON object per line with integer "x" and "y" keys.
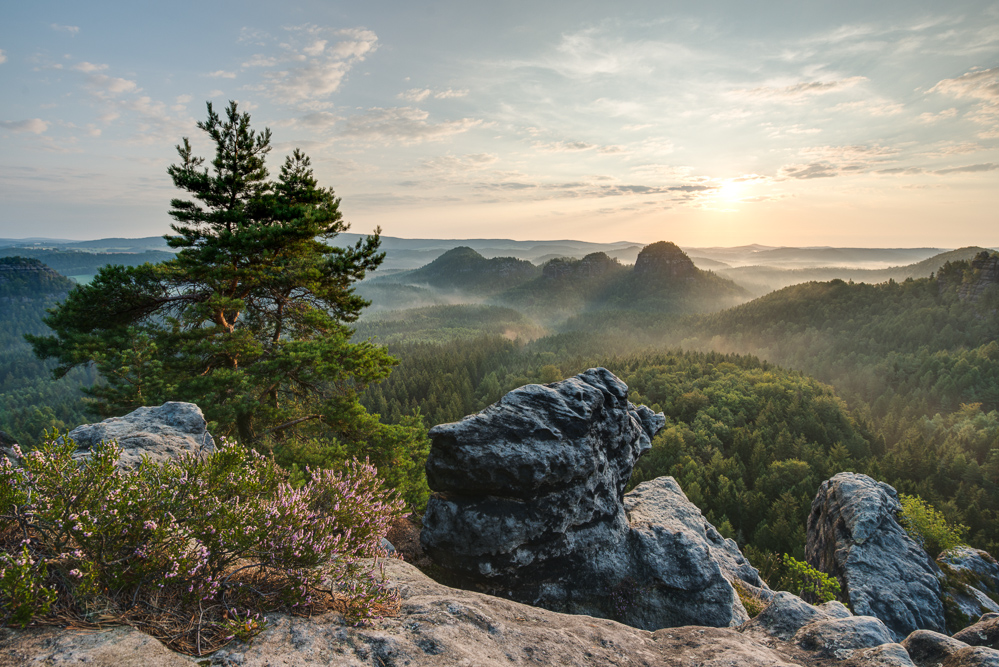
{"x": 251, "y": 320}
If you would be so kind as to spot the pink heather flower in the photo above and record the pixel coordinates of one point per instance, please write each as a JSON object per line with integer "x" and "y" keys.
{"x": 149, "y": 525}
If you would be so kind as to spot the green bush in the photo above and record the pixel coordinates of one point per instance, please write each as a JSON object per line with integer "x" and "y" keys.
{"x": 928, "y": 527}
{"x": 221, "y": 534}
{"x": 786, "y": 573}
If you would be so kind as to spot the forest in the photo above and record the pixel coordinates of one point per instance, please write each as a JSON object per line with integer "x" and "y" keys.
{"x": 764, "y": 400}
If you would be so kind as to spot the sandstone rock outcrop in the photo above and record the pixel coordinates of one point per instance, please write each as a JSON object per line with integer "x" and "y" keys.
{"x": 437, "y": 626}
{"x": 853, "y": 534}
{"x": 530, "y": 506}
{"x": 985, "y": 273}
{"x": 161, "y": 433}
{"x": 441, "y": 627}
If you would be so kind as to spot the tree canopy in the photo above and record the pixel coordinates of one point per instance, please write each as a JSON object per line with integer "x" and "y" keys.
{"x": 251, "y": 319}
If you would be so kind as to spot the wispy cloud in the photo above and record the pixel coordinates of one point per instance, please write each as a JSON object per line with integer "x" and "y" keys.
{"x": 260, "y": 60}
{"x": 221, "y": 74}
{"x": 930, "y": 117}
{"x": 417, "y": 95}
{"x": 31, "y": 125}
{"x": 313, "y": 63}
{"x": 969, "y": 169}
{"x": 800, "y": 91}
{"x": 808, "y": 171}
{"x": 84, "y": 66}
{"x": 981, "y": 84}
{"x": 3, "y": 57}
{"x": 407, "y": 125}
{"x": 71, "y": 29}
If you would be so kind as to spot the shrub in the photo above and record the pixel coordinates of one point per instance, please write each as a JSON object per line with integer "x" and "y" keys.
{"x": 928, "y": 527}
{"x": 809, "y": 584}
{"x": 786, "y": 573}
{"x": 222, "y": 533}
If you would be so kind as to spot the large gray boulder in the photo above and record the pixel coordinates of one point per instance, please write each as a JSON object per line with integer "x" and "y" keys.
{"x": 971, "y": 584}
{"x": 853, "y": 534}
{"x": 530, "y": 505}
{"x": 161, "y": 433}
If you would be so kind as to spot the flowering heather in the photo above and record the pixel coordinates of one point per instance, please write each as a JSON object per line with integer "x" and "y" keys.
{"x": 89, "y": 542}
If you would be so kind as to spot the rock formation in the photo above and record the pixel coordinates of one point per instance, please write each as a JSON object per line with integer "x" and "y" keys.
{"x": 853, "y": 534}
{"x": 531, "y": 506}
{"x": 983, "y": 633}
{"x": 437, "y": 626}
{"x": 985, "y": 273}
{"x": 161, "y": 433}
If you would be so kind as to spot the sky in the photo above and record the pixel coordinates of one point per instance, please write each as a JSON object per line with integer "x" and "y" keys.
{"x": 707, "y": 124}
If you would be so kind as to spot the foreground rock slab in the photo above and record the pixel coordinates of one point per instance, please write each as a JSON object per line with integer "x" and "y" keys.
{"x": 439, "y": 626}
{"x": 436, "y": 626}
{"x": 162, "y": 433}
{"x": 531, "y": 506}
{"x": 853, "y": 534}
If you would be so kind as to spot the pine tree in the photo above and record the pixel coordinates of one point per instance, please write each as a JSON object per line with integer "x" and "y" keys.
{"x": 251, "y": 319}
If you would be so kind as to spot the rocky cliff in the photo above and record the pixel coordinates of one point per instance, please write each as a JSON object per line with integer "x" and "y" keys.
{"x": 530, "y": 505}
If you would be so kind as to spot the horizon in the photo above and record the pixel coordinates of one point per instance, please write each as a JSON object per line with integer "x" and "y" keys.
{"x": 43, "y": 239}
{"x": 838, "y": 125}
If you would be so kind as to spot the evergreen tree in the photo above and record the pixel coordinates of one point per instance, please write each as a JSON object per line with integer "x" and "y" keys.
{"x": 251, "y": 319}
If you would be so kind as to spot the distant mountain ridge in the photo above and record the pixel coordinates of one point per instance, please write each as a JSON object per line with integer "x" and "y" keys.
{"x": 464, "y": 269}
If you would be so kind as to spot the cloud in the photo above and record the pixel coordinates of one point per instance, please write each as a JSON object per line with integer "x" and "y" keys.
{"x": 221, "y": 74}
{"x": 449, "y": 94}
{"x": 901, "y": 170}
{"x": 969, "y": 169}
{"x": 71, "y": 29}
{"x": 155, "y": 122}
{"x": 807, "y": 171}
{"x": 406, "y": 125}
{"x": 855, "y": 153}
{"x": 564, "y": 147}
{"x": 416, "y": 95}
{"x": 314, "y": 63}
{"x": 3, "y": 57}
{"x": 871, "y": 107}
{"x": 183, "y": 99}
{"x": 317, "y": 120}
{"x": 800, "y": 91}
{"x": 31, "y": 125}
{"x": 929, "y": 117}
{"x": 104, "y": 85}
{"x": 260, "y": 60}
{"x": 981, "y": 84}
{"x": 460, "y": 164}
{"x": 84, "y": 66}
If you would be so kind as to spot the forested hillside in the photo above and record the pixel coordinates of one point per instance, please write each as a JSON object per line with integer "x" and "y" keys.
{"x": 81, "y": 263}
{"x": 764, "y": 401}
{"x": 30, "y": 401}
